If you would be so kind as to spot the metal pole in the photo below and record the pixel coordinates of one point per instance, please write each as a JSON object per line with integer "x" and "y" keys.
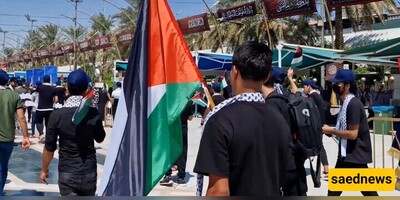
{"x": 323, "y": 26}
{"x": 76, "y": 9}
{"x": 280, "y": 57}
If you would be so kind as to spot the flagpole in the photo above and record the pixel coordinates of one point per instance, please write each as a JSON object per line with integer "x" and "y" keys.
{"x": 279, "y": 47}
{"x": 209, "y": 97}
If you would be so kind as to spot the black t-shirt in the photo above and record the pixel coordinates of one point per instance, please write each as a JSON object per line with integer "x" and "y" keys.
{"x": 320, "y": 105}
{"x": 358, "y": 150}
{"x": 60, "y": 92}
{"x": 77, "y": 154}
{"x": 46, "y": 94}
{"x": 188, "y": 111}
{"x": 217, "y": 98}
{"x": 245, "y": 143}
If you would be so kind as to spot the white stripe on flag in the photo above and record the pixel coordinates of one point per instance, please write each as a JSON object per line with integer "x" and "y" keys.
{"x": 155, "y": 93}
{"x": 297, "y": 60}
{"x": 116, "y": 138}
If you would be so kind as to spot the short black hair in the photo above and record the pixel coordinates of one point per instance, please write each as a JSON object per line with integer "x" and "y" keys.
{"x": 353, "y": 87}
{"x": 270, "y": 81}
{"x": 77, "y": 91}
{"x": 253, "y": 60}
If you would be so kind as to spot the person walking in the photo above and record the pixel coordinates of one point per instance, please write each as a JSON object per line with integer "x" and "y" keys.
{"x": 241, "y": 135}
{"x": 10, "y": 105}
{"x": 77, "y": 167}
{"x": 355, "y": 149}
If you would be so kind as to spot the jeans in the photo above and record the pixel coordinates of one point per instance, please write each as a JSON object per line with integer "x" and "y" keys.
{"x": 6, "y": 149}
{"x": 341, "y": 164}
{"x": 77, "y": 185}
{"x": 33, "y": 127}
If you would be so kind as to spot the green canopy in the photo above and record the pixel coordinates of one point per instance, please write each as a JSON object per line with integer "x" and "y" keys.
{"x": 386, "y": 49}
{"x": 316, "y": 57}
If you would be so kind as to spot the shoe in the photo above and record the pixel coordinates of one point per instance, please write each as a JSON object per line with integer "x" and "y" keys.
{"x": 181, "y": 182}
{"x": 166, "y": 181}
{"x": 42, "y": 139}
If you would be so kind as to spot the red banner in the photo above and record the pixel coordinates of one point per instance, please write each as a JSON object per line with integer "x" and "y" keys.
{"x": 35, "y": 55}
{"x": 44, "y": 53}
{"x": 68, "y": 48}
{"x": 398, "y": 63}
{"x": 338, "y": 3}
{"x": 237, "y": 12}
{"x": 85, "y": 45}
{"x": 26, "y": 57}
{"x": 57, "y": 52}
{"x": 125, "y": 39}
{"x": 102, "y": 42}
{"x": 194, "y": 24}
{"x": 285, "y": 8}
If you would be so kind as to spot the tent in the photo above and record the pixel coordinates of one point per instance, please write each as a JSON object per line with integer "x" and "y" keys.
{"x": 213, "y": 61}
{"x": 20, "y": 74}
{"x": 29, "y": 76}
{"x": 386, "y": 49}
{"x": 315, "y": 57}
{"x": 38, "y": 74}
{"x": 52, "y": 71}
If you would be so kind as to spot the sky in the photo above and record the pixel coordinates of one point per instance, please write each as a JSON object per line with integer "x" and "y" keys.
{"x": 13, "y": 20}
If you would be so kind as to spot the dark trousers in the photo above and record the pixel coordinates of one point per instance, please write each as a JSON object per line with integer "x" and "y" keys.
{"x": 40, "y": 116}
{"x": 324, "y": 157}
{"x": 6, "y": 149}
{"x": 181, "y": 162}
{"x": 342, "y": 164}
{"x": 33, "y": 124}
{"x": 77, "y": 185}
{"x": 29, "y": 114}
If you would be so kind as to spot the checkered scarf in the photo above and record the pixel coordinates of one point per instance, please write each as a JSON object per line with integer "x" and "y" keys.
{"x": 341, "y": 123}
{"x": 246, "y": 97}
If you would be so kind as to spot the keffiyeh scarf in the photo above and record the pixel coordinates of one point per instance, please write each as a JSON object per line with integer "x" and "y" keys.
{"x": 245, "y": 97}
{"x": 73, "y": 102}
{"x": 341, "y": 123}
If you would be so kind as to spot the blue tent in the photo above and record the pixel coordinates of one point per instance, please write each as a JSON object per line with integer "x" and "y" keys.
{"x": 52, "y": 71}
{"x": 37, "y": 75}
{"x": 213, "y": 61}
{"x": 20, "y": 74}
{"x": 29, "y": 76}
{"x": 11, "y": 74}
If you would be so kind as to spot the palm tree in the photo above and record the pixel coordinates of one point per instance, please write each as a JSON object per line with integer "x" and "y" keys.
{"x": 364, "y": 14}
{"x": 102, "y": 24}
{"x": 127, "y": 17}
{"x": 71, "y": 35}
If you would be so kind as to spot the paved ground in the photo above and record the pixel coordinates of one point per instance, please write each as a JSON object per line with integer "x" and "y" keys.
{"x": 24, "y": 167}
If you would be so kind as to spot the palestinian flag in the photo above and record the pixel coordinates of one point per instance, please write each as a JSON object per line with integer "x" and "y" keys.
{"x": 160, "y": 80}
{"x": 199, "y": 101}
{"x": 297, "y": 58}
{"x": 83, "y": 108}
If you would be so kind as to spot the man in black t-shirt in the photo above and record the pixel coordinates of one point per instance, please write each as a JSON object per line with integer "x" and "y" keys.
{"x": 355, "y": 149}
{"x": 47, "y": 97}
{"x": 244, "y": 139}
{"x": 295, "y": 180}
{"x": 310, "y": 89}
{"x": 77, "y": 167}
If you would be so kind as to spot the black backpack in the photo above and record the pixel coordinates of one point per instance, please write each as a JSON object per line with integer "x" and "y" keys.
{"x": 307, "y": 127}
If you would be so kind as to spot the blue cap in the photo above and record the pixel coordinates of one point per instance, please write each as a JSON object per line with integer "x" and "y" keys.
{"x": 3, "y": 77}
{"x": 278, "y": 73}
{"x": 344, "y": 75}
{"x": 216, "y": 87}
{"x": 77, "y": 80}
{"x": 46, "y": 78}
{"x": 310, "y": 83}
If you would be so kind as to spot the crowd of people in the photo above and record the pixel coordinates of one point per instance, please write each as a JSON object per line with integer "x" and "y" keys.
{"x": 250, "y": 143}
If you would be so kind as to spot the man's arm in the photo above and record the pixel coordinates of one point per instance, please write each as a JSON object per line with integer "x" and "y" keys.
{"x": 47, "y": 156}
{"x": 350, "y": 134}
{"x": 293, "y": 85}
{"x": 218, "y": 186}
{"x": 24, "y": 128}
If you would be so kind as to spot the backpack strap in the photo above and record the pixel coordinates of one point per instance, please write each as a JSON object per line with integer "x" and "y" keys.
{"x": 316, "y": 176}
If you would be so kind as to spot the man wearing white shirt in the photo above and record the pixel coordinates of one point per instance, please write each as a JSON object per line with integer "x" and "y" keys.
{"x": 116, "y": 94}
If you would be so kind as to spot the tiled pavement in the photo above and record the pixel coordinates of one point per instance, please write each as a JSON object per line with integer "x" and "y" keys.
{"x": 24, "y": 168}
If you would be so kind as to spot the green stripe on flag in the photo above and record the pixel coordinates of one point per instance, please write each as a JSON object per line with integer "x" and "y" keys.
{"x": 164, "y": 144}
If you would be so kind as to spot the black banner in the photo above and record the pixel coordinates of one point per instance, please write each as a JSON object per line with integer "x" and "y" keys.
{"x": 286, "y": 8}
{"x": 238, "y": 12}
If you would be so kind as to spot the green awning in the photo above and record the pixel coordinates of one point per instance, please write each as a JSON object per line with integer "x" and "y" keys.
{"x": 316, "y": 57}
{"x": 386, "y": 49}
{"x": 121, "y": 66}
